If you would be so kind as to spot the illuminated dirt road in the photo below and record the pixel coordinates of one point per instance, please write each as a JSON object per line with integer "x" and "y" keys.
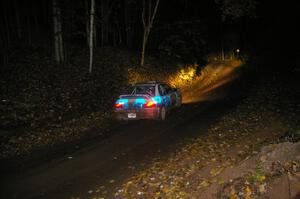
{"x": 103, "y": 165}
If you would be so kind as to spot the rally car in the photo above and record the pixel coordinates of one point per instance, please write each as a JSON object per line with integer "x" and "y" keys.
{"x": 151, "y": 100}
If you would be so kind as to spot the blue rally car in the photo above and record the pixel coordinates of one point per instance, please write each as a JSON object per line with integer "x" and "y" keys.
{"x": 150, "y": 100}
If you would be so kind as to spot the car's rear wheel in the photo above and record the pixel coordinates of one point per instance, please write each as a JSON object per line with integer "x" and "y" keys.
{"x": 162, "y": 114}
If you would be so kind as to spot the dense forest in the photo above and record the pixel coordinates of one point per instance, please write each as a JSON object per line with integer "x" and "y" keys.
{"x": 179, "y": 28}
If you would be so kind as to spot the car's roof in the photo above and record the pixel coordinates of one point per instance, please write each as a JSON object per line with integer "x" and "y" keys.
{"x": 151, "y": 83}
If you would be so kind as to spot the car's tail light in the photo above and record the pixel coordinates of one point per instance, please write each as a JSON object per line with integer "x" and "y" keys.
{"x": 150, "y": 104}
{"x": 155, "y": 101}
{"x": 121, "y": 103}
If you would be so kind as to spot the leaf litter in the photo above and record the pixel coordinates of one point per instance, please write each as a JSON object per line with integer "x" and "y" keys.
{"x": 239, "y": 157}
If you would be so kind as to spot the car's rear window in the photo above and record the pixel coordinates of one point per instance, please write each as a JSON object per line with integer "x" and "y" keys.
{"x": 144, "y": 90}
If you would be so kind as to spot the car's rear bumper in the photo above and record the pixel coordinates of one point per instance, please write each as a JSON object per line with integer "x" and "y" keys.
{"x": 150, "y": 113}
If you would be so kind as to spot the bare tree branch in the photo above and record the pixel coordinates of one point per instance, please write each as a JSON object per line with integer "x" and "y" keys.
{"x": 149, "y": 12}
{"x": 147, "y": 27}
{"x": 154, "y": 12}
{"x": 143, "y": 14}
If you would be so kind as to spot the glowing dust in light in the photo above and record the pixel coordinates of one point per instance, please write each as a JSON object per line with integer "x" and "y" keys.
{"x": 213, "y": 76}
{"x": 194, "y": 88}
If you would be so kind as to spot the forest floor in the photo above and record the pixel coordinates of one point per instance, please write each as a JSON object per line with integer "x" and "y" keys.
{"x": 48, "y": 109}
{"x": 252, "y": 152}
{"x": 45, "y": 107}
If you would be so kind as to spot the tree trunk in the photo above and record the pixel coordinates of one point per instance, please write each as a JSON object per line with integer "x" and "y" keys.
{"x": 102, "y": 23}
{"x": 95, "y": 33}
{"x": 145, "y": 40}
{"x": 120, "y": 41}
{"x": 91, "y": 34}
{"x": 58, "y": 40}
{"x": 28, "y": 23}
{"x": 35, "y": 16}
{"x": 128, "y": 23}
{"x": 6, "y": 26}
{"x": 87, "y": 27}
{"x": 222, "y": 40}
{"x": 106, "y": 9}
{"x": 18, "y": 24}
{"x": 185, "y": 6}
{"x": 61, "y": 44}
{"x": 3, "y": 44}
{"x": 147, "y": 23}
{"x": 3, "y": 52}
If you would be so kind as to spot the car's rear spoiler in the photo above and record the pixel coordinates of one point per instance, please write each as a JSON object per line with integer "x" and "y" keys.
{"x": 135, "y": 96}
